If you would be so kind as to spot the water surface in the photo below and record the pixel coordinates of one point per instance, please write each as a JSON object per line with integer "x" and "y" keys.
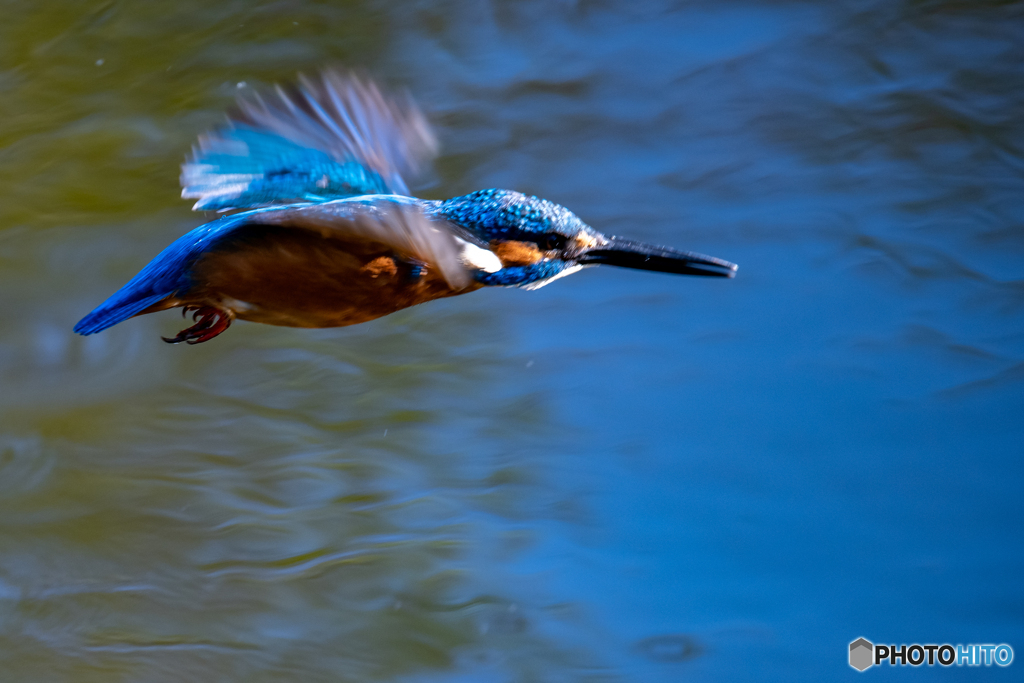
{"x": 622, "y": 477}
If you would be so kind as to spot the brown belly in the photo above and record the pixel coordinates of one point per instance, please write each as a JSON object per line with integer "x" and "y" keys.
{"x": 298, "y": 278}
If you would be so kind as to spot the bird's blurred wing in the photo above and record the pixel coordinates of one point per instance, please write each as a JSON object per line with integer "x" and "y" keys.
{"x": 320, "y": 139}
{"x": 402, "y": 226}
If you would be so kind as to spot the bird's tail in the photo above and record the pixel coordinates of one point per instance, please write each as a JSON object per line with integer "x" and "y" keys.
{"x": 117, "y": 308}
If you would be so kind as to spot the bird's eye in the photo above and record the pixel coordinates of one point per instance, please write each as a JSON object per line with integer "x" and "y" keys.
{"x": 553, "y": 241}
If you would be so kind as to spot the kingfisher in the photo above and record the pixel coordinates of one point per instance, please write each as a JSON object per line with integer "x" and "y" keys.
{"x": 320, "y": 228}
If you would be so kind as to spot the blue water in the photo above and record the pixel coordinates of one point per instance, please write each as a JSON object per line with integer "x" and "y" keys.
{"x": 621, "y": 476}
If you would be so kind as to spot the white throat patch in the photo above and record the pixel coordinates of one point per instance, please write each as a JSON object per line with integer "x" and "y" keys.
{"x": 478, "y": 258}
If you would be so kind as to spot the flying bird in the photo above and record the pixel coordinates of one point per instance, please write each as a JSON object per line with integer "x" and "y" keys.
{"x": 320, "y": 229}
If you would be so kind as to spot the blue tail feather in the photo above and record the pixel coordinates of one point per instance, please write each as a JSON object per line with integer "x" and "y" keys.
{"x": 165, "y": 275}
{"x": 114, "y": 310}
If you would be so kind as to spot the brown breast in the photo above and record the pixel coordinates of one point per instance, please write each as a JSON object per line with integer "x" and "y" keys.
{"x": 301, "y": 278}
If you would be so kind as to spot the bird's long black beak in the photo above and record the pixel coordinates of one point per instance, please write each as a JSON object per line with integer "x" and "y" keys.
{"x": 630, "y": 254}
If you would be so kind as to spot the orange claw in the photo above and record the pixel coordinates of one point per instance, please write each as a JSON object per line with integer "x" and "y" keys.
{"x": 209, "y": 321}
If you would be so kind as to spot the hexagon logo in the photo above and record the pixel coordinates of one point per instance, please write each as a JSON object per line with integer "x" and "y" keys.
{"x": 862, "y": 654}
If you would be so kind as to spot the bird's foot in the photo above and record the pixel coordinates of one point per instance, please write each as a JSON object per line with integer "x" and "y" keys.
{"x": 209, "y": 321}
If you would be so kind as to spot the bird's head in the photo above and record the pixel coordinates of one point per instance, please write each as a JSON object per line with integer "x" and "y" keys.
{"x": 538, "y": 241}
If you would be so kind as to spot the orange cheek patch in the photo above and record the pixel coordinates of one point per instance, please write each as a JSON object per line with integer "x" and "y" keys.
{"x": 516, "y": 253}
{"x": 382, "y": 265}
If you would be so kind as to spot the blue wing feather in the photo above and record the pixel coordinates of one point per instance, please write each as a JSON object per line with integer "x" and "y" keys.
{"x": 270, "y": 170}
{"x": 323, "y": 139}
